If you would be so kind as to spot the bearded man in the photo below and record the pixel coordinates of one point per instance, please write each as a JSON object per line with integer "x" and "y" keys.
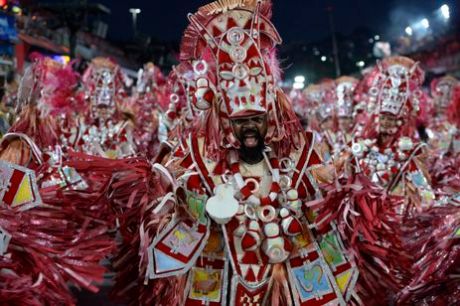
{"x": 231, "y": 227}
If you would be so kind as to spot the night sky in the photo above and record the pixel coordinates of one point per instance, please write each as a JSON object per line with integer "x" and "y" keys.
{"x": 297, "y": 20}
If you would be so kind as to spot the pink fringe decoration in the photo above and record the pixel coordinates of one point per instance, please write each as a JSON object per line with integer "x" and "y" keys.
{"x": 436, "y": 270}
{"x": 370, "y": 227}
{"x": 52, "y": 246}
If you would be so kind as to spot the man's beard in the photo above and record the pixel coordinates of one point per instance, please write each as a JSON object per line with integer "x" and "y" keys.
{"x": 253, "y": 153}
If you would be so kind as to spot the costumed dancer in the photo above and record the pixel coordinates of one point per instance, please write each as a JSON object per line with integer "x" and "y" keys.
{"x": 444, "y": 138}
{"x": 365, "y": 97}
{"x": 230, "y": 228}
{"x": 300, "y": 104}
{"x": 178, "y": 120}
{"x": 389, "y": 153}
{"x": 326, "y": 117}
{"x": 435, "y": 233}
{"x": 46, "y": 243}
{"x": 345, "y": 111}
{"x": 312, "y": 95}
{"x": 386, "y": 185}
{"x": 105, "y": 127}
{"x": 442, "y": 132}
{"x": 149, "y": 102}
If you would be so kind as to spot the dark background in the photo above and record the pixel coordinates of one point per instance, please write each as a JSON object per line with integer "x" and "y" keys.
{"x": 296, "y": 19}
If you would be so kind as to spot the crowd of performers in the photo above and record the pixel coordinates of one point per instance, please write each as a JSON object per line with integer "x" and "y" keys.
{"x": 213, "y": 186}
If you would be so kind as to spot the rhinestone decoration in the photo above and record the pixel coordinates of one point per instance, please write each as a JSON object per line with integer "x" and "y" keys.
{"x": 235, "y": 36}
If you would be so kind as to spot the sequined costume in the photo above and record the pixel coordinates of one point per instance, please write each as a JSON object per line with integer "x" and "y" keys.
{"x": 226, "y": 232}
{"x": 47, "y": 241}
{"x": 104, "y": 128}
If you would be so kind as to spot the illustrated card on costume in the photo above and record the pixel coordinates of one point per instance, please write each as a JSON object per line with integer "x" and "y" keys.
{"x": 311, "y": 280}
{"x": 73, "y": 178}
{"x": 176, "y": 248}
{"x": 344, "y": 272}
{"x": 207, "y": 282}
{"x": 197, "y": 205}
{"x": 18, "y": 186}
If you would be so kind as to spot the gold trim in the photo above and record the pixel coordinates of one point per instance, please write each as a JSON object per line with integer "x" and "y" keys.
{"x": 222, "y": 6}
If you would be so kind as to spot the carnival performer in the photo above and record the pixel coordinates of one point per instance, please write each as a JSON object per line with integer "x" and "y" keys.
{"x": 312, "y": 95}
{"x": 443, "y": 138}
{"x": 178, "y": 119}
{"x": 149, "y": 102}
{"x": 389, "y": 153}
{"x": 345, "y": 111}
{"x": 441, "y": 131}
{"x": 326, "y": 118}
{"x": 230, "y": 226}
{"x": 301, "y": 107}
{"x": 105, "y": 127}
{"x": 46, "y": 242}
{"x": 386, "y": 186}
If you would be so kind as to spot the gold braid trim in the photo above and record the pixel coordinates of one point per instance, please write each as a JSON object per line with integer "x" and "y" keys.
{"x": 222, "y": 6}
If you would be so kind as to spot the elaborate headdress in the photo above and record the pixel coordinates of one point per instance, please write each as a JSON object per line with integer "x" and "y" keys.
{"x": 47, "y": 89}
{"x": 232, "y": 45}
{"x": 313, "y": 95}
{"x": 345, "y": 87}
{"x": 48, "y": 85}
{"x": 103, "y": 81}
{"x": 180, "y": 89}
{"x": 149, "y": 78}
{"x": 327, "y": 93}
{"x": 397, "y": 86}
{"x": 442, "y": 90}
{"x": 299, "y": 103}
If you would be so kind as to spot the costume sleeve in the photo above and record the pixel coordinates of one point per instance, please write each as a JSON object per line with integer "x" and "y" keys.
{"x": 16, "y": 152}
{"x": 367, "y": 222}
{"x": 52, "y": 243}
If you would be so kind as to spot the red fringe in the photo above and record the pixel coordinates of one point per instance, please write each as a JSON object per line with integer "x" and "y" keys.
{"x": 370, "y": 226}
{"x": 134, "y": 191}
{"x": 437, "y": 267}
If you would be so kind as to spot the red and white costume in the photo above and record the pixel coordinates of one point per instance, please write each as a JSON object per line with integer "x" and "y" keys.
{"x": 225, "y": 232}
{"x": 48, "y": 242}
{"x": 103, "y": 128}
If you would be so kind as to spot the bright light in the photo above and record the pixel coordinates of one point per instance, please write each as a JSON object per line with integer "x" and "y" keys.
{"x": 360, "y": 64}
{"x": 377, "y": 37}
{"x": 323, "y": 58}
{"x": 298, "y": 85}
{"x": 425, "y": 23}
{"x": 17, "y": 10}
{"x": 445, "y": 11}
{"x": 63, "y": 59}
{"x": 409, "y": 31}
{"x": 299, "y": 79}
{"x": 135, "y": 11}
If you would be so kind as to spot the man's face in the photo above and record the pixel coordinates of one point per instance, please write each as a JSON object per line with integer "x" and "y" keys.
{"x": 250, "y": 131}
{"x": 327, "y": 124}
{"x": 345, "y": 123}
{"x": 388, "y": 124}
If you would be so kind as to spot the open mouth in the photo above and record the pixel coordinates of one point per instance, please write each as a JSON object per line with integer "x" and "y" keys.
{"x": 250, "y": 139}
